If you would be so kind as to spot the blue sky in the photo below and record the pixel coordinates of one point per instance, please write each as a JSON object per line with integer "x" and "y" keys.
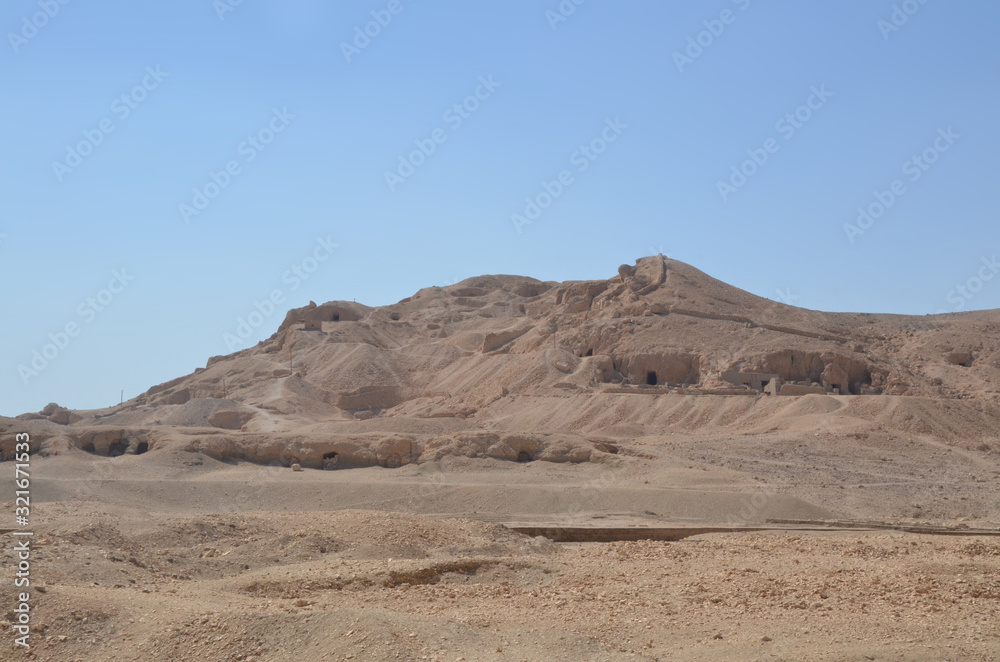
{"x": 118, "y": 114}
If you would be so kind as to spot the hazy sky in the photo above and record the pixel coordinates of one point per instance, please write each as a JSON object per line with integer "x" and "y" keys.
{"x": 165, "y": 166}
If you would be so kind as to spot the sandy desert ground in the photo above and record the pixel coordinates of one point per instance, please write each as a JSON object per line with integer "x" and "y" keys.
{"x": 353, "y": 487}
{"x": 235, "y": 565}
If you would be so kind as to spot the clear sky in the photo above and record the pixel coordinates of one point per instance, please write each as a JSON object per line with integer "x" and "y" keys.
{"x": 166, "y": 165}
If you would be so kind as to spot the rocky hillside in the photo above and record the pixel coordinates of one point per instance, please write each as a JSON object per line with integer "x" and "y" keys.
{"x": 516, "y": 368}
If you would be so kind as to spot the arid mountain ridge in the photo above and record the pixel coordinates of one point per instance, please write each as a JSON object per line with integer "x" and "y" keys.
{"x": 515, "y": 368}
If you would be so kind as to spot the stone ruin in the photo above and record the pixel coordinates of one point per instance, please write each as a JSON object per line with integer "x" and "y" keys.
{"x": 792, "y": 373}
{"x": 660, "y": 368}
{"x": 756, "y": 381}
{"x": 800, "y": 373}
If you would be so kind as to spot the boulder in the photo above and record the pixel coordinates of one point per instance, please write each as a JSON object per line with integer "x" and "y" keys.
{"x": 230, "y": 419}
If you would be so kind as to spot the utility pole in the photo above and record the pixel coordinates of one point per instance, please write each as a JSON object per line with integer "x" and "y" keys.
{"x": 122, "y": 400}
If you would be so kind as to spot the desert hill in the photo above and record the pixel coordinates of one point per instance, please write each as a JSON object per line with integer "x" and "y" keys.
{"x": 514, "y": 368}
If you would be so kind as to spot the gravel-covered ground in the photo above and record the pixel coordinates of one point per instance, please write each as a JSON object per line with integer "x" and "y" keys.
{"x": 122, "y": 584}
